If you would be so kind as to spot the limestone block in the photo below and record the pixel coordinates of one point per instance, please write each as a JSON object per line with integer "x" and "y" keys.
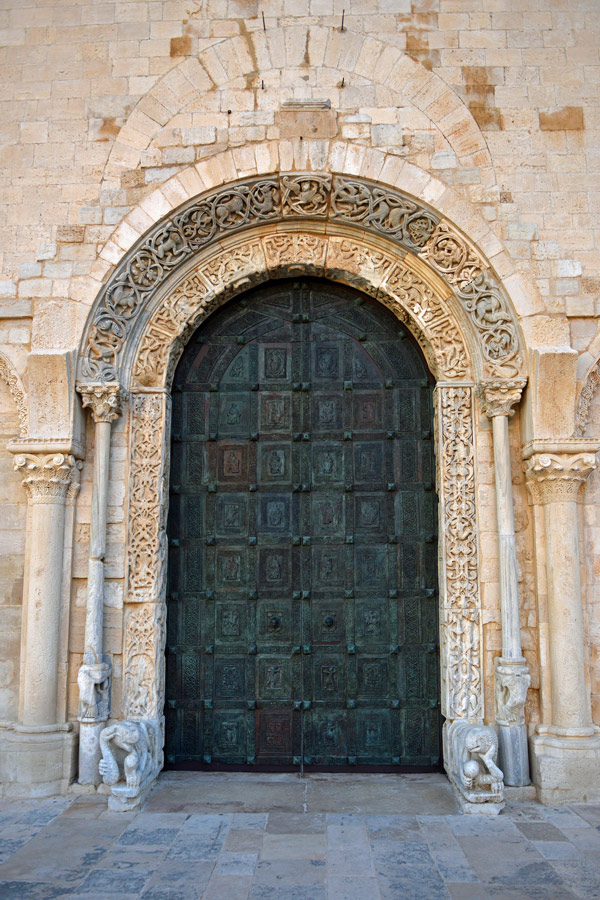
{"x": 549, "y": 403}
{"x": 54, "y": 409}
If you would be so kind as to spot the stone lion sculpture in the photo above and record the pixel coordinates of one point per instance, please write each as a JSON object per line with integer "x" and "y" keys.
{"x": 132, "y": 745}
{"x": 473, "y": 755}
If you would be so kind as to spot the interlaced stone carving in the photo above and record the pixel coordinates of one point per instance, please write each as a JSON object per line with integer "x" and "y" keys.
{"x": 435, "y": 320}
{"x": 317, "y": 196}
{"x": 461, "y": 619}
{"x": 150, "y": 414}
{"x": 305, "y": 194}
{"x": 143, "y": 690}
{"x": 13, "y": 383}
{"x": 482, "y": 299}
{"x": 584, "y": 401}
{"x": 295, "y": 252}
{"x": 47, "y": 477}
{"x": 382, "y": 210}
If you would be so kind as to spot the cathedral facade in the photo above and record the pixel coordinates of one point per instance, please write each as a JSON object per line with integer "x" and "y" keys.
{"x": 299, "y": 361}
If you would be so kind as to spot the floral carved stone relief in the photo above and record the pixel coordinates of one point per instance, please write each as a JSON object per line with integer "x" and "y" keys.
{"x": 462, "y": 688}
{"x": 373, "y": 208}
{"x": 13, "y": 383}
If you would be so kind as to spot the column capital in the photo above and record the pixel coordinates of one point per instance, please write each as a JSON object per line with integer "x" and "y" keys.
{"x": 498, "y": 396}
{"x": 47, "y": 478}
{"x": 557, "y": 476}
{"x": 105, "y": 400}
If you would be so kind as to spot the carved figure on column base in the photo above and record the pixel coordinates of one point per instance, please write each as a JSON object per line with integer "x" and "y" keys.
{"x": 512, "y": 683}
{"x": 131, "y": 760}
{"x": 472, "y": 751}
{"x": 94, "y": 683}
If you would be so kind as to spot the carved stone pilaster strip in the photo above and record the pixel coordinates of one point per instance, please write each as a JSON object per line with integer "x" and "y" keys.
{"x": 105, "y": 400}
{"x": 558, "y": 476}
{"x": 462, "y": 685}
{"x": 47, "y": 477}
{"x": 144, "y": 661}
{"x": 149, "y": 468}
{"x": 13, "y": 382}
{"x": 499, "y": 397}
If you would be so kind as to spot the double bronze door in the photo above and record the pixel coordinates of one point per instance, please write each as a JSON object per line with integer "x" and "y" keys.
{"x": 302, "y": 610}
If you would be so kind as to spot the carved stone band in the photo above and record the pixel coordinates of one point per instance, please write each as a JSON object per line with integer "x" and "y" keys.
{"x": 558, "y": 476}
{"x": 498, "y": 397}
{"x": 104, "y": 400}
{"x": 47, "y": 478}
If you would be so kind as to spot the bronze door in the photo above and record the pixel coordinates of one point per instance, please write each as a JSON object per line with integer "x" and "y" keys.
{"x": 302, "y": 610}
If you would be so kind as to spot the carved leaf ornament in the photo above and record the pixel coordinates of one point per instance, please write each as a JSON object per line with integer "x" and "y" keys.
{"x": 280, "y": 198}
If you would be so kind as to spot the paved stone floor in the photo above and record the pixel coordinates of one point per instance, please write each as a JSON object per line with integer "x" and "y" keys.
{"x": 276, "y": 837}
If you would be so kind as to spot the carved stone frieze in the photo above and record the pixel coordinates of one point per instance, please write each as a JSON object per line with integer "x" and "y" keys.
{"x": 149, "y": 466}
{"x": 584, "y": 402}
{"x": 480, "y": 296}
{"x": 369, "y": 264}
{"x": 295, "y": 252}
{"x": 558, "y": 477}
{"x": 47, "y": 477}
{"x": 143, "y": 664}
{"x": 462, "y": 688}
{"x": 499, "y": 397}
{"x": 105, "y": 400}
{"x": 13, "y": 382}
{"x": 434, "y": 319}
{"x": 305, "y": 196}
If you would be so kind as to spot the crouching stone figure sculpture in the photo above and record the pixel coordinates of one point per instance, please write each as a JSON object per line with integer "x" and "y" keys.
{"x": 472, "y": 751}
{"x": 130, "y": 761}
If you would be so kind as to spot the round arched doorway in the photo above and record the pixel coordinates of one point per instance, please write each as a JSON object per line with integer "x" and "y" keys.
{"x": 302, "y": 624}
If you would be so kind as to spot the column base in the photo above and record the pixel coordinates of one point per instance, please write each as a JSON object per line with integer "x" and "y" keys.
{"x": 566, "y": 769}
{"x": 513, "y": 754}
{"x": 37, "y": 762}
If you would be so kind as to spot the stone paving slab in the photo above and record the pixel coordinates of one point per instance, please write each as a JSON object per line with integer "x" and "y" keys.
{"x": 277, "y": 837}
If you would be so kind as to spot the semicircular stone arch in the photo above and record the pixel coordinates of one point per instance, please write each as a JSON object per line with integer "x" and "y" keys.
{"x": 410, "y": 229}
{"x": 255, "y": 53}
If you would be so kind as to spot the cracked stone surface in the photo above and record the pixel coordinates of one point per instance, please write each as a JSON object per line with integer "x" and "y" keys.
{"x": 215, "y": 836}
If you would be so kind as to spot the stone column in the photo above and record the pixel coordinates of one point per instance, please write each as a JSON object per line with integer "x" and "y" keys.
{"x": 565, "y": 752}
{"x": 512, "y": 673}
{"x": 94, "y": 677}
{"x": 47, "y": 479}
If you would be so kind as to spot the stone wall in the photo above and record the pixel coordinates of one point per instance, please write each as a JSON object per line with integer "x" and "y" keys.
{"x": 104, "y": 102}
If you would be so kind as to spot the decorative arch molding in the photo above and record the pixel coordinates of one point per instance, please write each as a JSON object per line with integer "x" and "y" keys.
{"x": 247, "y": 55}
{"x": 405, "y": 226}
{"x": 586, "y": 395}
{"x": 10, "y": 378}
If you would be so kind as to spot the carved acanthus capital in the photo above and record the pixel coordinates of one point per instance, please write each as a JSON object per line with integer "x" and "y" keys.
{"x": 47, "y": 478}
{"x": 499, "y": 396}
{"x": 104, "y": 400}
{"x": 557, "y": 476}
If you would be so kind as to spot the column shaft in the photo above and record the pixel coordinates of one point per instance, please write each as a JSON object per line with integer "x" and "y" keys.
{"x": 507, "y": 550}
{"x": 95, "y": 601}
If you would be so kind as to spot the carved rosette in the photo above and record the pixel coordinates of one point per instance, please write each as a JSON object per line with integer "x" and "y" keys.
{"x": 499, "y": 397}
{"x": 558, "y": 477}
{"x": 149, "y": 466}
{"x": 462, "y": 689}
{"x": 47, "y": 478}
{"x": 105, "y": 400}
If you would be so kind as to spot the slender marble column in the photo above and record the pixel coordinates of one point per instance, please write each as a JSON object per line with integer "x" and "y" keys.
{"x": 47, "y": 478}
{"x": 94, "y": 677}
{"x": 512, "y": 673}
{"x": 557, "y": 479}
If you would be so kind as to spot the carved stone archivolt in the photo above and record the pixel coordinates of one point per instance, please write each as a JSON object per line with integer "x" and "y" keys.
{"x": 301, "y": 197}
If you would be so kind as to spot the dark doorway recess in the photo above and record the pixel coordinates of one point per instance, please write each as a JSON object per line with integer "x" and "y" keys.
{"x": 302, "y": 600}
